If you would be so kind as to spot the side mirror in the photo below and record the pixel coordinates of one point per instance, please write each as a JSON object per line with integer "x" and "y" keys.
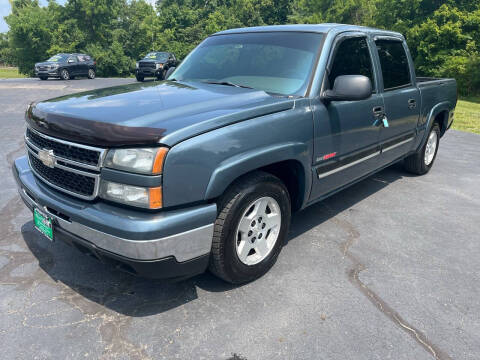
{"x": 349, "y": 88}
{"x": 169, "y": 72}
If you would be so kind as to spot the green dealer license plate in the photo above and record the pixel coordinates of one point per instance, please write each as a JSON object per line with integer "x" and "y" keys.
{"x": 43, "y": 224}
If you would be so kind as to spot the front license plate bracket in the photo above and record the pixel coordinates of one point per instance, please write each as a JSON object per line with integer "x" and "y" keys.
{"x": 43, "y": 223}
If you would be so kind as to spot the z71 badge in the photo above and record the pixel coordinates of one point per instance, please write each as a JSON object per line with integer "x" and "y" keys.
{"x": 327, "y": 156}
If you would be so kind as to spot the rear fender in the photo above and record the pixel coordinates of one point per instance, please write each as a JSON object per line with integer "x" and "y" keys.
{"x": 437, "y": 109}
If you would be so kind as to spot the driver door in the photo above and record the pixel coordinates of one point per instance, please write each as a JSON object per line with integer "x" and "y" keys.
{"x": 346, "y": 133}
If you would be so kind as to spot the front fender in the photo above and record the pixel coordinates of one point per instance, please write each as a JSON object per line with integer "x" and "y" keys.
{"x": 202, "y": 167}
{"x": 240, "y": 164}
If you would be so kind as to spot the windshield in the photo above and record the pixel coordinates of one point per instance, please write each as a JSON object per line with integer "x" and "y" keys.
{"x": 276, "y": 62}
{"x": 58, "y": 58}
{"x": 157, "y": 56}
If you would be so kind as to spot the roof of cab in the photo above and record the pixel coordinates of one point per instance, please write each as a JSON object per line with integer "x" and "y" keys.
{"x": 319, "y": 28}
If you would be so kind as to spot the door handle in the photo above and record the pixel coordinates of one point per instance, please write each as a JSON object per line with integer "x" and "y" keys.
{"x": 380, "y": 118}
{"x": 412, "y": 104}
{"x": 378, "y": 111}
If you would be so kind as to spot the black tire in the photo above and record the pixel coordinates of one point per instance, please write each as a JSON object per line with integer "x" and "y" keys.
{"x": 416, "y": 163}
{"x": 64, "y": 74}
{"x": 161, "y": 76}
{"x": 139, "y": 78}
{"x": 91, "y": 74}
{"x": 224, "y": 261}
{"x": 43, "y": 77}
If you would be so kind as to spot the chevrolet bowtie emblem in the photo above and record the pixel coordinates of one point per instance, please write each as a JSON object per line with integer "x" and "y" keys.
{"x": 47, "y": 158}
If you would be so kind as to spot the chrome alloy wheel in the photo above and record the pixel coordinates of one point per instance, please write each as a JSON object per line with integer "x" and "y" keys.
{"x": 91, "y": 74}
{"x": 65, "y": 74}
{"x": 430, "y": 148}
{"x": 258, "y": 230}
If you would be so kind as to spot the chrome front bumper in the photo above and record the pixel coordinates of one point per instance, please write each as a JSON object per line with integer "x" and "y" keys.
{"x": 184, "y": 234}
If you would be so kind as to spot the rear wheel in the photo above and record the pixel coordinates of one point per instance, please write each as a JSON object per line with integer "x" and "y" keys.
{"x": 422, "y": 161}
{"x": 91, "y": 74}
{"x": 64, "y": 74}
{"x": 139, "y": 78}
{"x": 251, "y": 227}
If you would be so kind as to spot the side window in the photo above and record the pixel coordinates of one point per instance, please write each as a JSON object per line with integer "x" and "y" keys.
{"x": 81, "y": 58}
{"x": 72, "y": 59}
{"x": 352, "y": 58}
{"x": 394, "y": 63}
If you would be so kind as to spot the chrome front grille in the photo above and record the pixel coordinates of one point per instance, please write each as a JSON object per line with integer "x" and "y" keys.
{"x": 65, "y": 150}
{"x": 68, "y": 167}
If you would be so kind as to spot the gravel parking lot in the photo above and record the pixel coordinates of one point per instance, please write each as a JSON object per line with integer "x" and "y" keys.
{"x": 387, "y": 269}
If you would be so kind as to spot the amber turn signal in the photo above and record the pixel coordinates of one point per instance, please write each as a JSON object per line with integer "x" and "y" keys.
{"x": 159, "y": 160}
{"x": 155, "y": 198}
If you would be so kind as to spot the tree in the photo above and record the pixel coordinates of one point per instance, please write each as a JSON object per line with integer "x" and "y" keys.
{"x": 443, "y": 35}
{"x": 6, "y": 53}
{"x": 447, "y": 44}
{"x": 358, "y": 12}
{"x": 30, "y": 33}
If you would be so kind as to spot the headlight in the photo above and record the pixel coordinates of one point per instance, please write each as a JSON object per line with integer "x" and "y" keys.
{"x": 159, "y": 66}
{"x": 136, "y": 65}
{"x": 142, "y": 160}
{"x": 150, "y": 198}
{"x": 55, "y": 66}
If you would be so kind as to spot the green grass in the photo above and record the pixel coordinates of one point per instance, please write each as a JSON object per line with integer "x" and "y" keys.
{"x": 467, "y": 115}
{"x": 9, "y": 73}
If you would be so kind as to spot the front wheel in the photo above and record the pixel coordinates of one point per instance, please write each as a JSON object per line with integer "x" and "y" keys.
{"x": 91, "y": 74}
{"x": 64, "y": 74}
{"x": 43, "y": 77}
{"x": 161, "y": 76}
{"x": 422, "y": 161}
{"x": 251, "y": 227}
{"x": 139, "y": 78}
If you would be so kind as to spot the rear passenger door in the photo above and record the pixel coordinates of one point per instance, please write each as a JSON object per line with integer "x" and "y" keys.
{"x": 346, "y": 132}
{"x": 401, "y": 97}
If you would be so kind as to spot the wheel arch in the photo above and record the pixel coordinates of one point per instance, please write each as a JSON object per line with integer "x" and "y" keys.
{"x": 288, "y": 162}
{"x": 439, "y": 113}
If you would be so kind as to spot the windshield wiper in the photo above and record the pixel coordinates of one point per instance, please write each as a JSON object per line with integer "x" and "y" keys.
{"x": 227, "y": 83}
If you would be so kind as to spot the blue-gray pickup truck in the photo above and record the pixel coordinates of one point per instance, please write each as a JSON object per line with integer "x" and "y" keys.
{"x": 203, "y": 170}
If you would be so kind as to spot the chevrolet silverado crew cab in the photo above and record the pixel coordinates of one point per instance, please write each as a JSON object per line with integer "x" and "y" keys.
{"x": 155, "y": 64}
{"x": 66, "y": 67}
{"x": 203, "y": 170}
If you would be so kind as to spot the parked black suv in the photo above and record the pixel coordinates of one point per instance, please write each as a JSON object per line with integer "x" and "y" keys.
{"x": 66, "y": 66}
{"x": 155, "y": 64}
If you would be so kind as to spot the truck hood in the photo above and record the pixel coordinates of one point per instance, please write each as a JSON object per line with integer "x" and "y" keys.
{"x": 149, "y": 113}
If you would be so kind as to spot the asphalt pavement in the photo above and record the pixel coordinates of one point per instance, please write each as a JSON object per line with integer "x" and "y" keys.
{"x": 387, "y": 269}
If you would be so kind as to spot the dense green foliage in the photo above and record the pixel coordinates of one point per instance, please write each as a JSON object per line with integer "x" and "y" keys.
{"x": 444, "y": 35}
